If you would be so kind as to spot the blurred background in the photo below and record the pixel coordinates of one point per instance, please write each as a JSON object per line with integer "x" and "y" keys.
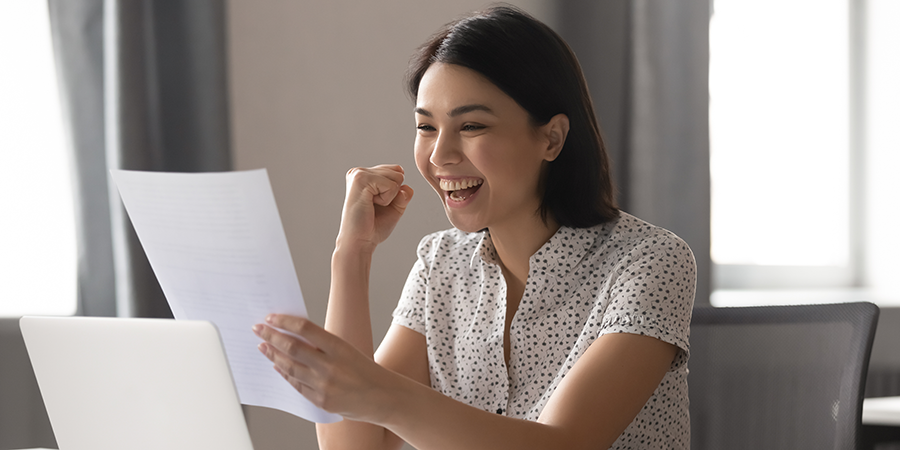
{"x": 763, "y": 132}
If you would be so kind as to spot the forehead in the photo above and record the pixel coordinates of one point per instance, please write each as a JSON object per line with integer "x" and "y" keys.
{"x": 447, "y": 86}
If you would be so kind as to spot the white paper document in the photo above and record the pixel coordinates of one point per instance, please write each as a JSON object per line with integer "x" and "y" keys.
{"x": 218, "y": 249}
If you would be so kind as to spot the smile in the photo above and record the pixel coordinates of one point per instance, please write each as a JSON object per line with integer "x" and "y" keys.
{"x": 460, "y": 190}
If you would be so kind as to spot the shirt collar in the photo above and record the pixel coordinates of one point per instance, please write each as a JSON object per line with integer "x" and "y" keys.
{"x": 564, "y": 249}
{"x": 484, "y": 252}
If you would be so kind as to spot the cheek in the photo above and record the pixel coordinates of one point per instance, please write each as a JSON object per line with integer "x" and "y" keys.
{"x": 423, "y": 163}
{"x": 422, "y": 155}
{"x": 513, "y": 166}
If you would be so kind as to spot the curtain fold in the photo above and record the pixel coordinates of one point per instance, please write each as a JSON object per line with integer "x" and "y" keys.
{"x": 77, "y": 31}
{"x": 647, "y": 66}
{"x": 144, "y": 87}
{"x": 166, "y": 111}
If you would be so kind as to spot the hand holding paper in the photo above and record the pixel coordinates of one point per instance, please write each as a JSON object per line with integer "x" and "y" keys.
{"x": 218, "y": 249}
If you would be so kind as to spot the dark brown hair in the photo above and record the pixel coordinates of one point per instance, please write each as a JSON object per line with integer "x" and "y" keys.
{"x": 534, "y": 65}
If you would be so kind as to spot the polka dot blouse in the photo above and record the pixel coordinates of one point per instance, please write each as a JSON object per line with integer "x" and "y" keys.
{"x": 624, "y": 276}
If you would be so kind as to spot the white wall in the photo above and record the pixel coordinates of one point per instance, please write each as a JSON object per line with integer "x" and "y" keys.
{"x": 316, "y": 89}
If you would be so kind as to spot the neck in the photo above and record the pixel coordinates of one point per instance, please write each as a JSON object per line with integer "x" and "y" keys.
{"x": 516, "y": 242}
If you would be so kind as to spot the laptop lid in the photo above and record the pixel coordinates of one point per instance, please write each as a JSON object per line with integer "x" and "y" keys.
{"x": 114, "y": 383}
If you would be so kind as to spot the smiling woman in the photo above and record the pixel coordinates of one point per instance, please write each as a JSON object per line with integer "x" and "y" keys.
{"x": 546, "y": 318}
{"x": 37, "y": 230}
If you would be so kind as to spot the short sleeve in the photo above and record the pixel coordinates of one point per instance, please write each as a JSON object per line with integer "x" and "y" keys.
{"x": 410, "y": 311}
{"x": 653, "y": 294}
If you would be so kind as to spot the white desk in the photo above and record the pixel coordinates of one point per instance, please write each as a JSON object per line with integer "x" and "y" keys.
{"x": 881, "y": 411}
{"x": 881, "y": 421}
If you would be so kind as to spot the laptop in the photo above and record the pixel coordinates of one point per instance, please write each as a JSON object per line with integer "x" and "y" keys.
{"x": 115, "y": 383}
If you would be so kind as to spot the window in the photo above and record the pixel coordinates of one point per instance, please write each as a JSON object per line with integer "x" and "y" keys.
{"x": 37, "y": 229}
{"x": 803, "y": 96}
{"x": 882, "y": 139}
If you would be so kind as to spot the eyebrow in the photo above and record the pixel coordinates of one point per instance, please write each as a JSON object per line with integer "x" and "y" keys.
{"x": 458, "y": 110}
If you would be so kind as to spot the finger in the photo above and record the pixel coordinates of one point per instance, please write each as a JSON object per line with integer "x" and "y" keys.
{"x": 286, "y": 365}
{"x": 404, "y": 196}
{"x": 304, "y": 389}
{"x": 381, "y": 185}
{"x": 301, "y": 376}
{"x": 289, "y": 345}
{"x": 384, "y": 194}
{"x": 391, "y": 172}
{"x": 310, "y": 392}
{"x": 305, "y": 328}
{"x": 394, "y": 167}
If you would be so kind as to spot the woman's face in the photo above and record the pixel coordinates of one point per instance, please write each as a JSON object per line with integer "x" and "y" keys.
{"x": 478, "y": 149}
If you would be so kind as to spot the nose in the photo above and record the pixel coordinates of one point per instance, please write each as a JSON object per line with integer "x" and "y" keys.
{"x": 446, "y": 150}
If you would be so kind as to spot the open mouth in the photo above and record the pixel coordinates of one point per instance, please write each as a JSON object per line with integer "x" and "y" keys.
{"x": 460, "y": 190}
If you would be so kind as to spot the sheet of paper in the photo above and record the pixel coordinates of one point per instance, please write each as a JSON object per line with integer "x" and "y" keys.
{"x": 218, "y": 249}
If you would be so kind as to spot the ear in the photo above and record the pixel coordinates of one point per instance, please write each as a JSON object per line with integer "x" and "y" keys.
{"x": 555, "y": 131}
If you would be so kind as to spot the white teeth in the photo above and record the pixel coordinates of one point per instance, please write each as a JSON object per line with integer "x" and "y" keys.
{"x": 449, "y": 185}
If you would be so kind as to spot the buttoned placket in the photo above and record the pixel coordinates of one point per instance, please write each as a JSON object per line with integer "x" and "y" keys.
{"x": 547, "y": 265}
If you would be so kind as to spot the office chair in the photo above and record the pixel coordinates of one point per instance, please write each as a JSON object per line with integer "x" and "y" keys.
{"x": 779, "y": 377}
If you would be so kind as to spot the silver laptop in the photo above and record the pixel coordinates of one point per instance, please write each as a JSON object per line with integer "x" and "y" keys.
{"x": 113, "y": 383}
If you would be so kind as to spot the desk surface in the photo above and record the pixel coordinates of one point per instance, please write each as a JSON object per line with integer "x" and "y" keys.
{"x": 876, "y": 411}
{"x": 881, "y": 411}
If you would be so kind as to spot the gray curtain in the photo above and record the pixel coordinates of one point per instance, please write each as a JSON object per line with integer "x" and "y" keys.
{"x": 165, "y": 110}
{"x": 647, "y": 66}
{"x": 143, "y": 87}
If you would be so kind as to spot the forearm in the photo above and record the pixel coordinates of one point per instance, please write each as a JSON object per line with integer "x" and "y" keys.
{"x": 348, "y": 317}
{"x": 429, "y": 420}
{"x": 348, "y": 314}
{"x": 582, "y": 413}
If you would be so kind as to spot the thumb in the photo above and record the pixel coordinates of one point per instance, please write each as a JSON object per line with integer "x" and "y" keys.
{"x": 404, "y": 196}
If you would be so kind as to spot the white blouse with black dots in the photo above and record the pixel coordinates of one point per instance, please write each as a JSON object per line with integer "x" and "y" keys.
{"x": 624, "y": 276}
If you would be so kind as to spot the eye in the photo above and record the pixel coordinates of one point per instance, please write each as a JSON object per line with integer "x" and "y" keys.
{"x": 425, "y": 127}
{"x": 472, "y": 127}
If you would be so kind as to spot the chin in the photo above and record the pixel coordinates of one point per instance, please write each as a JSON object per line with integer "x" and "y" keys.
{"x": 464, "y": 225}
{"x": 469, "y": 229}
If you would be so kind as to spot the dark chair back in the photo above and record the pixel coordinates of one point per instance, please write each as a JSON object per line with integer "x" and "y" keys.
{"x": 779, "y": 377}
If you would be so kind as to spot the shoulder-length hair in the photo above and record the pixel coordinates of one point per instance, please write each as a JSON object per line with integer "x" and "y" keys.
{"x": 534, "y": 65}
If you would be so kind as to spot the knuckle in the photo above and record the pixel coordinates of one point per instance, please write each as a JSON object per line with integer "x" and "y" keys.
{"x": 291, "y": 371}
{"x": 325, "y": 401}
{"x": 302, "y": 325}
{"x": 289, "y": 346}
{"x": 318, "y": 399}
{"x": 356, "y": 174}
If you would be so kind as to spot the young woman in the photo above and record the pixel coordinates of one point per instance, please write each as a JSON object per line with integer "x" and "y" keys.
{"x": 546, "y": 318}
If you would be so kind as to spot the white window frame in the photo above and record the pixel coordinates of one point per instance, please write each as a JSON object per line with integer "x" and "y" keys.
{"x": 736, "y": 285}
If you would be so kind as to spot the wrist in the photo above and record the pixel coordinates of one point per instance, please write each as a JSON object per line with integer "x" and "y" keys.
{"x": 353, "y": 248}
{"x": 396, "y": 402}
{"x": 351, "y": 264}
{"x": 348, "y": 244}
